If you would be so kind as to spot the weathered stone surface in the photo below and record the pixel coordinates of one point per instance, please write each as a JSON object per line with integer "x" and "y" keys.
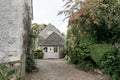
{"x": 15, "y": 23}
{"x": 14, "y": 16}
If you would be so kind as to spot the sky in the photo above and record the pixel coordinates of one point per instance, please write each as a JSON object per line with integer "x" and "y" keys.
{"x": 46, "y": 11}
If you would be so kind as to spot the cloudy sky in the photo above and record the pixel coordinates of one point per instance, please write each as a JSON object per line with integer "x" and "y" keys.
{"x": 45, "y": 11}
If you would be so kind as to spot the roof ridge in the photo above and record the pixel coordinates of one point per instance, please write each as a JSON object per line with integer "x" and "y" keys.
{"x": 49, "y": 27}
{"x": 52, "y": 34}
{"x": 53, "y": 39}
{"x": 53, "y": 27}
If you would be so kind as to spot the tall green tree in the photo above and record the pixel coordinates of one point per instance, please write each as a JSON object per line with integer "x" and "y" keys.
{"x": 99, "y": 17}
{"x": 36, "y": 28}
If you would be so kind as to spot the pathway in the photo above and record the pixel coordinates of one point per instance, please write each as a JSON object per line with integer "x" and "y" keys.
{"x": 61, "y": 70}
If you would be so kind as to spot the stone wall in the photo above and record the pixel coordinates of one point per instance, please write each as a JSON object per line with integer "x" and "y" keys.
{"x": 15, "y": 21}
{"x": 15, "y": 28}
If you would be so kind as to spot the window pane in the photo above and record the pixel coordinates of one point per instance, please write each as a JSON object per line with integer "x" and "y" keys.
{"x": 55, "y": 49}
{"x": 45, "y": 49}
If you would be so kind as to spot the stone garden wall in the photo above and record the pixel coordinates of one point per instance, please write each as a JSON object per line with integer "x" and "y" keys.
{"x": 15, "y": 26}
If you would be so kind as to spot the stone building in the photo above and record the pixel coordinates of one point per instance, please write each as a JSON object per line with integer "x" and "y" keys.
{"x": 15, "y": 24}
{"x": 51, "y": 41}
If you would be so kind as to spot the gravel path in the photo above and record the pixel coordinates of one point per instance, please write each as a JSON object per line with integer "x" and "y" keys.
{"x": 61, "y": 70}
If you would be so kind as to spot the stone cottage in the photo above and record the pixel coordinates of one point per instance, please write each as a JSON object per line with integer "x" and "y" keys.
{"x": 51, "y": 41}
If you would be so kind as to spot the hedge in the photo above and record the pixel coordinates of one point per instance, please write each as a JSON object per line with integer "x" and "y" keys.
{"x": 38, "y": 53}
{"x": 98, "y": 51}
{"x": 110, "y": 65}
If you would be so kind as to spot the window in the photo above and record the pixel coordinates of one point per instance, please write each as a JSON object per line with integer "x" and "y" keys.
{"x": 50, "y": 49}
{"x": 49, "y": 32}
{"x": 55, "y": 49}
{"x": 45, "y": 49}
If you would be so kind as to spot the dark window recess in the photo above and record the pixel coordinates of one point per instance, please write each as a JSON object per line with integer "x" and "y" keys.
{"x": 45, "y": 49}
{"x": 55, "y": 49}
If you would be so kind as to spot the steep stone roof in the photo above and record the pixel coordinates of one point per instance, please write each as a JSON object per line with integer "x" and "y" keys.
{"x": 49, "y": 27}
{"x": 53, "y": 40}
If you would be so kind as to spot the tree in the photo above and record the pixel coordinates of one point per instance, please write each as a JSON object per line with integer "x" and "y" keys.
{"x": 99, "y": 17}
{"x": 96, "y": 22}
{"x": 36, "y": 28}
{"x": 30, "y": 61}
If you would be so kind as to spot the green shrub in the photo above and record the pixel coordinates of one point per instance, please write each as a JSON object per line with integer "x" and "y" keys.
{"x": 104, "y": 56}
{"x": 85, "y": 65}
{"x": 67, "y": 58}
{"x": 30, "y": 64}
{"x": 80, "y": 56}
{"x": 80, "y": 52}
{"x": 98, "y": 51}
{"x": 87, "y": 39}
{"x": 110, "y": 65}
{"x": 41, "y": 54}
{"x": 6, "y": 72}
{"x": 63, "y": 52}
{"x": 38, "y": 53}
